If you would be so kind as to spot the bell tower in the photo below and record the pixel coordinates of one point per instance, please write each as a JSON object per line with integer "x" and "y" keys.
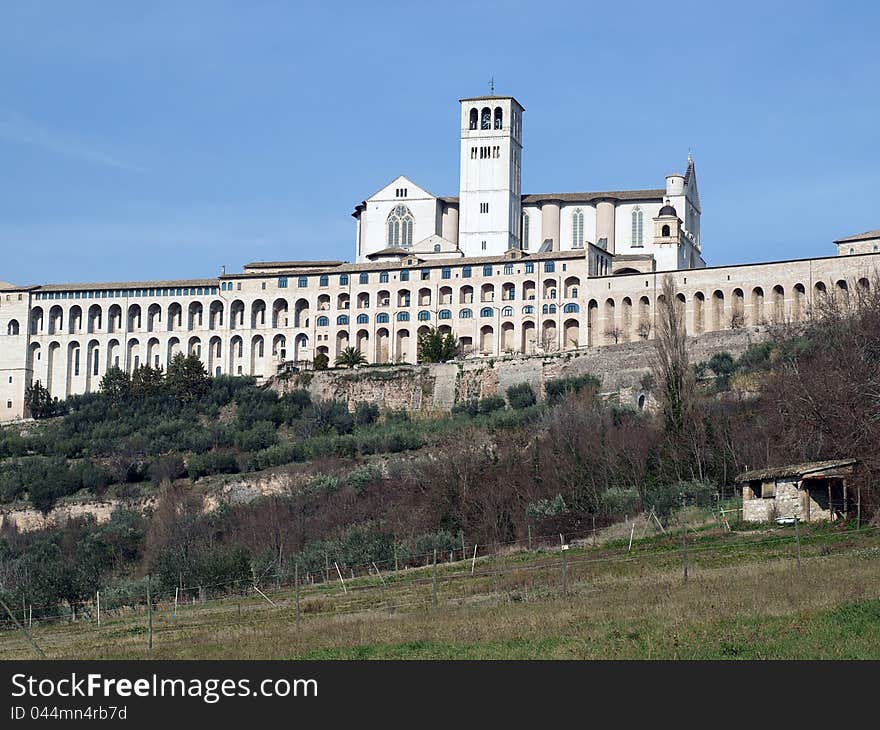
{"x": 490, "y": 189}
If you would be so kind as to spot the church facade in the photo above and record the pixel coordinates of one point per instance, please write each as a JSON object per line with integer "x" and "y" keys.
{"x": 507, "y": 272}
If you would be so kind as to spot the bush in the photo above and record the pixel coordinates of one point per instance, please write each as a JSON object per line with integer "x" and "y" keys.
{"x": 470, "y": 407}
{"x": 366, "y": 413}
{"x": 214, "y": 462}
{"x": 168, "y": 468}
{"x": 321, "y": 361}
{"x": 490, "y": 404}
{"x": 521, "y": 396}
{"x": 557, "y": 389}
{"x": 261, "y": 436}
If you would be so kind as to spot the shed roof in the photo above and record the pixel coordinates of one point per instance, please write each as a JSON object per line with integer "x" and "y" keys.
{"x": 866, "y": 236}
{"x": 808, "y": 469}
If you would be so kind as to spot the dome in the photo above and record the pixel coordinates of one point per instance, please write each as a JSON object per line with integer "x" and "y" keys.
{"x": 668, "y": 210}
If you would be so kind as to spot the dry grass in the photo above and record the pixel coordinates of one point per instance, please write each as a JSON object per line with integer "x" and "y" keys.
{"x": 745, "y": 597}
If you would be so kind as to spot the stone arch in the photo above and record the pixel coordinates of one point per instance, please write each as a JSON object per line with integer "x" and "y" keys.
{"x": 215, "y": 315}
{"x": 258, "y": 314}
{"x": 610, "y": 329}
{"x": 258, "y": 353}
{"x": 36, "y": 321}
{"x": 175, "y": 317}
{"x": 74, "y": 320}
{"x": 133, "y": 355}
{"x": 382, "y": 345}
{"x": 279, "y": 314}
{"x": 508, "y": 342}
{"x": 236, "y": 348}
{"x": 301, "y": 314}
{"x": 778, "y": 304}
{"x": 92, "y": 365}
{"x": 153, "y": 356}
{"x": 592, "y": 323}
{"x": 487, "y": 339}
{"x": 572, "y": 334}
{"x": 717, "y": 310}
{"x": 93, "y": 319}
{"x": 172, "y": 349}
{"x": 549, "y": 336}
{"x": 56, "y": 320}
{"x": 466, "y": 294}
{"x": 626, "y": 319}
{"x": 529, "y": 337}
{"x": 215, "y": 356}
{"x": 699, "y": 307}
{"x": 135, "y": 319}
{"x": 402, "y": 348}
{"x": 236, "y": 316}
{"x": 362, "y": 341}
{"x": 195, "y": 312}
{"x": 114, "y": 354}
{"x": 194, "y": 347}
{"x": 757, "y": 309}
{"x": 154, "y": 318}
{"x": 738, "y": 313}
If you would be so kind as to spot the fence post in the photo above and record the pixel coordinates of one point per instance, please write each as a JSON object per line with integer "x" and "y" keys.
{"x": 434, "y": 578}
{"x": 564, "y": 570}
{"x": 296, "y": 584}
{"x": 797, "y": 537}
{"x": 149, "y": 615}
{"x": 684, "y": 547}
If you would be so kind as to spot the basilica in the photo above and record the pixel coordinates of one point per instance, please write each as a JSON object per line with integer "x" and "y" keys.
{"x": 508, "y": 273}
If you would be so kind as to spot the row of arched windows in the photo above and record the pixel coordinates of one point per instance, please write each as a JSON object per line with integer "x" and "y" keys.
{"x": 485, "y": 118}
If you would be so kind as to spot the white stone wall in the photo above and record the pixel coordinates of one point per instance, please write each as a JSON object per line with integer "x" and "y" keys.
{"x": 550, "y": 311}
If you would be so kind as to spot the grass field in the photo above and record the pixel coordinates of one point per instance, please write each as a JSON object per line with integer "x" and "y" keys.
{"x": 746, "y": 597}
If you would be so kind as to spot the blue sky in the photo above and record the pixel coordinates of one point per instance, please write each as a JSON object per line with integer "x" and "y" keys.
{"x": 165, "y": 139}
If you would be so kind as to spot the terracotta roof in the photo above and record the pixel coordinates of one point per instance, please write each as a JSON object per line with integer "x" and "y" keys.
{"x": 426, "y": 263}
{"x": 805, "y": 470}
{"x": 654, "y": 194}
{"x": 391, "y": 250}
{"x": 127, "y": 285}
{"x": 289, "y": 264}
{"x": 866, "y": 236}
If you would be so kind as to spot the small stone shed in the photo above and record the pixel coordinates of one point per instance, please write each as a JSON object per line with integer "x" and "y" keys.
{"x": 813, "y": 491}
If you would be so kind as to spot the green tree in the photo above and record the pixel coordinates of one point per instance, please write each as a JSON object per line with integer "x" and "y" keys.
{"x": 147, "y": 381}
{"x": 434, "y": 346}
{"x": 40, "y": 402}
{"x": 187, "y": 378}
{"x": 350, "y": 357}
{"x": 115, "y": 385}
{"x": 321, "y": 361}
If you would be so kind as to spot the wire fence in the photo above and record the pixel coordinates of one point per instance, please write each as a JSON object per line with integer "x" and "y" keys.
{"x": 502, "y": 571}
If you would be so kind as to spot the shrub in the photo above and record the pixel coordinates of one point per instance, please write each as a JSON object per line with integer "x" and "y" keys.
{"x": 321, "y": 361}
{"x": 521, "y": 396}
{"x": 168, "y": 468}
{"x": 261, "y": 436}
{"x": 366, "y": 413}
{"x": 557, "y": 389}
{"x": 213, "y": 462}
{"x": 470, "y": 407}
{"x": 491, "y": 403}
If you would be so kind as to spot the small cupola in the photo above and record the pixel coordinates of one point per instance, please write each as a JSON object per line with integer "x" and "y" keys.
{"x": 667, "y": 225}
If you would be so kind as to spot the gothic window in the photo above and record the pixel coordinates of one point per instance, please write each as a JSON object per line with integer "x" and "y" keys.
{"x": 577, "y": 229}
{"x": 637, "y": 227}
{"x": 486, "y": 118}
{"x": 474, "y": 115}
{"x": 400, "y": 227}
{"x": 498, "y": 117}
{"x": 525, "y": 231}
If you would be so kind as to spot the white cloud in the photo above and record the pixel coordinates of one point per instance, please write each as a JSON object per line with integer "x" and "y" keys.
{"x": 16, "y": 128}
